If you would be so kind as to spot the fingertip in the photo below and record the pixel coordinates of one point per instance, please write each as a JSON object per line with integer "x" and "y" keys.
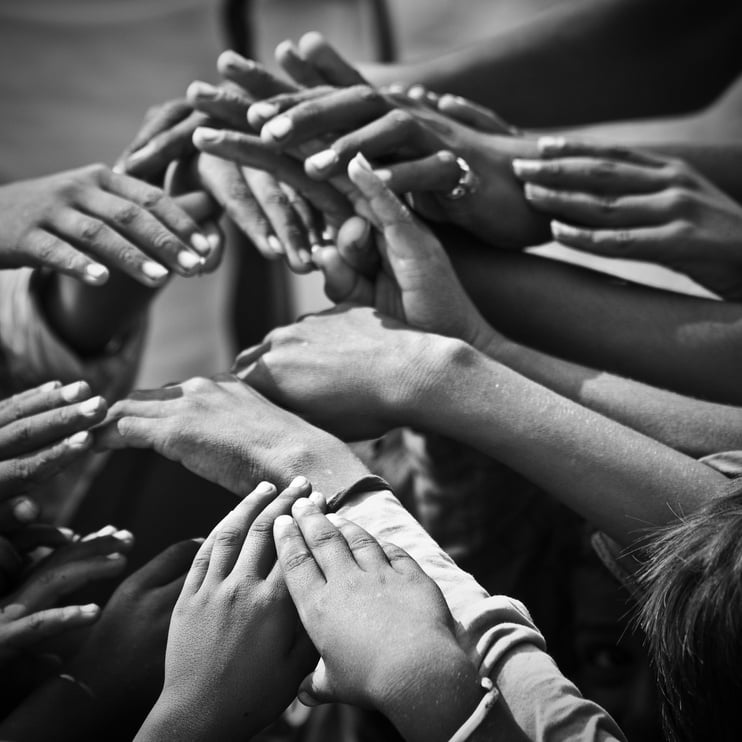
{"x": 282, "y": 525}
{"x": 204, "y": 136}
{"x": 95, "y": 274}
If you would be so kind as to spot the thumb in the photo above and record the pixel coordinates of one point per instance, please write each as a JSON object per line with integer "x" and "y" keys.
{"x": 316, "y": 688}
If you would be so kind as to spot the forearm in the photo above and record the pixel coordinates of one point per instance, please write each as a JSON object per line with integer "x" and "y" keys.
{"x": 570, "y": 65}
{"x": 616, "y": 478}
{"x": 688, "y": 345}
{"x": 695, "y": 427}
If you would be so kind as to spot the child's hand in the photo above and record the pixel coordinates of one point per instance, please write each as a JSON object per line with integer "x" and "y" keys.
{"x": 42, "y": 431}
{"x": 236, "y": 652}
{"x": 381, "y": 626}
{"x": 623, "y": 203}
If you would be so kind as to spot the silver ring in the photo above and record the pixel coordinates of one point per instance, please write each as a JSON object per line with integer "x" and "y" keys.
{"x": 467, "y": 182}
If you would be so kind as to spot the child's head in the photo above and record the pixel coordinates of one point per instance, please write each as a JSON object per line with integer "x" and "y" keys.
{"x": 691, "y": 614}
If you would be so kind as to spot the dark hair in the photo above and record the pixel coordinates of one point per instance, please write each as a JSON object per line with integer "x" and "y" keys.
{"x": 691, "y": 613}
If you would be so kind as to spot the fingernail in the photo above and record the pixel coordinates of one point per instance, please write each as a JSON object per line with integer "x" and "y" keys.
{"x": 396, "y": 88}
{"x": 282, "y": 523}
{"x": 558, "y": 229}
{"x": 299, "y": 482}
{"x": 551, "y": 144}
{"x": 275, "y": 244}
{"x": 79, "y": 440}
{"x": 206, "y": 134}
{"x": 304, "y": 257}
{"x": 383, "y": 175}
{"x": 524, "y": 168}
{"x": 416, "y": 92}
{"x": 50, "y": 386}
{"x": 188, "y": 261}
{"x": 66, "y": 532}
{"x": 362, "y": 162}
{"x": 264, "y": 488}
{"x": 118, "y": 169}
{"x": 323, "y": 160}
{"x": 318, "y": 499}
{"x": 73, "y": 392}
{"x": 126, "y": 536}
{"x": 200, "y": 243}
{"x": 214, "y": 237}
{"x": 141, "y": 154}
{"x": 91, "y": 406}
{"x": 154, "y": 271}
{"x": 115, "y": 557}
{"x": 96, "y": 274}
{"x": 198, "y": 89}
{"x": 533, "y": 192}
{"x": 91, "y": 609}
{"x": 263, "y": 110}
{"x": 25, "y": 510}
{"x": 329, "y": 234}
{"x": 279, "y": 128}
{"x": 303, "y": 504}
{"x": 105, "y": 531}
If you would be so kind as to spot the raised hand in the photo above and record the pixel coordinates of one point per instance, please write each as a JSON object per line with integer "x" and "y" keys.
{"x": 84, "y": 222}
{"x": 624, "y": 203}
{"x": 42, "y": 431}
{"x": 236, "y": 651}
{"x": 381, "y": 626}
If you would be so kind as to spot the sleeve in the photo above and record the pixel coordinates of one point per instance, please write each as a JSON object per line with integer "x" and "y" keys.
{"x": 31, "y": 354}
{"x": 536, "y": 702}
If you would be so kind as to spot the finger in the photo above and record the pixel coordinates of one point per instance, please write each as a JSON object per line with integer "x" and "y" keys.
{"x": 400, "y": 560}
{"x": 227, "y": 103}
{"x": 92, "y": 235}
{"x": 251, "y": 76}
{"x": 29, "y": 434}
{"x": 343, "y": 283}
{"x": 646, "y": 243}
{"x": 396, "y": 133}
{"x": 249, "y": 151}
{"x": 328, "y": 547}
{"x": 151, "y": 161}
{"x": 24, "y": 472}
{"x": 300, "y": 571}
{"x": 151, "y": 240}
{"x": 248, "y": 356}
{"x": 27, "y": 631}
{"x": 364, "y": 547}
{"x": 202, "y": 208}
{"x": 286, "y": 223}
{"x": 130, "y": 431}
{"x": 42, "y": 398}
{"x": 333, "y": 68}
{"x": 165, "y": 213}
{"x": 357, "y": 247}
{"x": 169, "y": 565}
{"x": 341, "y": 110}
{"x": 41, "y": 534}
{"x": 258, "y": 554}
{"x": 231, "y": 532}
{"x": 600, "y": 211}
{"x": 316, "y": 688}
{"x": 44, "y": 249}
{"x": 560, "y": 147}
{"x": 473, "y": 115}
{"x": 592, "y": 174}
{"x": 311, "y": 219}
{"x": 438, "y": 172}
{"x": 17, "y": 513}
{"x": 263, "y": 111}
{"x": 295, "y": 66}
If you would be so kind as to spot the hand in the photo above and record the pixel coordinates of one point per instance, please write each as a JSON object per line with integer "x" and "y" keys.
{"x": 42, "y": 431}
{"x": 381, "y": 626}
{"x": 622, "y": 203}
{"x": 83, "y": 222}
{"x": 224, "y": 431}
{"x": 349, "y": 370}
{"x": 236, "y": 651}
{"x": 122, "y": 660}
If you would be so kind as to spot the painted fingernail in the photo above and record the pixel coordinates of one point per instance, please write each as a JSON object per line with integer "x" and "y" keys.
{"x": 96, "y": 274}
{"x": 534, "y": 192}
{"x": 79, "y": 440}
{"x": 279, "y": 127}
{"x": 299, "y": 482}
{"x": 188, "y": 261}
{"x": 91, "y": 406}
{"x": 25, "y": 510}
{"x": 323, "y": 160}
{"x": 75, "y": 391}
{"x": 263, "y": 110}
{"x": 206, "y": 134}
{"x": 275, "y": 244}
{"x": 91, "y": 609}
{"x": 551, "y": 144}
{"x": 154, "y": 271}
{"x": 126, "y": 536}
{"x": 417, "y": 92}
{"x": 214, "y": 236}
{"x": 264, "y": 488}
{"x": 329, "y": 234}
{"x": 200, "y": 243}
{"x": 524, "y": 168}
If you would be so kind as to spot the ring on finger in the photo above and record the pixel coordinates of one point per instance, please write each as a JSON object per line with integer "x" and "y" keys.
{"x": 466, "y": 184}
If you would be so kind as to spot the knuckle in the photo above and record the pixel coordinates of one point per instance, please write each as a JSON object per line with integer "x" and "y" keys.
{"x": 602, "y": 169}
{"x": 89, "y": 229}
{"x": 277, "y": 198}
{"x": 126, "y": 214}
{"x": 98, "y": 171}
{"x": 22, "y": 470}
{"x": 151, "y": 198}
{"x": 229, "y": 536}
{"x": 198, "y": 385}
{"x": 236, "y": 190}
{"x": 362, "y": 541}
{"x": 607, "y": 204}
{"x": 297, "y": 560}
{"x": 325, "y": 537}
{"x": 164, "y": 242}
{"x": 679, "y": 199}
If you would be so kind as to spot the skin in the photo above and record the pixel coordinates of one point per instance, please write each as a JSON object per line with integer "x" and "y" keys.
{"x": 236, "y": 652}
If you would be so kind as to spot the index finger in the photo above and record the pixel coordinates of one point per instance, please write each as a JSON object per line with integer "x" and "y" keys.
{"x": 334, "y": 69}
{"x": 561, "y": 147}
{"x": 300, "y": 571}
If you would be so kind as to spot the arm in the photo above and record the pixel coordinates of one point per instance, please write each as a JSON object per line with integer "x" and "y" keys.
{"x": 571, "y": 65}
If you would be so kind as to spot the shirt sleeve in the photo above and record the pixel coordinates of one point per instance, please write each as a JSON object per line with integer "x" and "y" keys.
{"x": 30, "y": 353}
{"x": 536, "y": 702}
